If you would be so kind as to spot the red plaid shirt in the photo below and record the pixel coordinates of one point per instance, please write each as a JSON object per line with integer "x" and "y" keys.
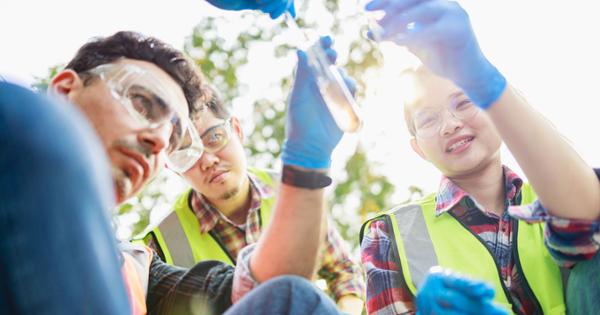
{"x": 387, "y": 292}
{"x": 343, "y": 274}
{"x": 569, "y": 241}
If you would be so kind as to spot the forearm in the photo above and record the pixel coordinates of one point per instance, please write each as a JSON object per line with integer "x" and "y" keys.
{"x": 350, "y": 304}
{"x": 205, "y": 288}
{"x": 291, "y": 242}
{"x": 565, "y": 184}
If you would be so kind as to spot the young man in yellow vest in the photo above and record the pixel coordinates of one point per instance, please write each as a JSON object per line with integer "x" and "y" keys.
{"x": 229, "y": 206}
{"x": 462, "y": 111}
{"x": 137, "y": 92}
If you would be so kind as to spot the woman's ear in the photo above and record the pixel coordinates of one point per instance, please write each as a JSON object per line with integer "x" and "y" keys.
{"x": 415, "y": 146}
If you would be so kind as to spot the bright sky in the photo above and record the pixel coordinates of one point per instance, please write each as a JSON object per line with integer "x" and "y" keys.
{"x": 548, "y": 49}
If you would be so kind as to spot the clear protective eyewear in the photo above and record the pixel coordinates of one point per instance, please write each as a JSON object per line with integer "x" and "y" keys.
{"x": 215, "y": 138}
{"x": 428, "y": 121}
{"x": 153, "y": 106}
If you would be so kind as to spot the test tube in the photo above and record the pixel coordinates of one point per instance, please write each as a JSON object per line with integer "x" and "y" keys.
{"x": 333, "y": 89}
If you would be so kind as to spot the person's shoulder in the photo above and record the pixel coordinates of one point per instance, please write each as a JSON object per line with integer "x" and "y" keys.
{"x": 382, "y": 220}
{"x": 425, "y": 201}
{"x": 264, "y": 173}
{"x": 11, "y": 90}
{"x": 528, "y": 194}
{"x": 183, "y": 200}
{"x": 265, "y": 176}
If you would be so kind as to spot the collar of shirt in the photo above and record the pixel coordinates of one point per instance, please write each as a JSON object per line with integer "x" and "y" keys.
{"x": 449, "y": 194}
{"x": 209, "y": 216}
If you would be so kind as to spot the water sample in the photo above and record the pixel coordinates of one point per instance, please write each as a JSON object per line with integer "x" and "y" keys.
{"x": 335, "y": 93}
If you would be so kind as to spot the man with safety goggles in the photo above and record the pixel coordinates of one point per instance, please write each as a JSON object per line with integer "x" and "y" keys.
{"x": 229, "y": 204}
{"x": 59, "y": 251}
{"x": 153, "y": 107}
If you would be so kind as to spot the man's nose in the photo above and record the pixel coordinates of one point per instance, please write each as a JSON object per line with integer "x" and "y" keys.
{"x": 208, "y": 160}
{"x": 155, "y": 140}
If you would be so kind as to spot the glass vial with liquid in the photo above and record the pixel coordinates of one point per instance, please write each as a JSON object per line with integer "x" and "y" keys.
{"x": 335, "y": 92}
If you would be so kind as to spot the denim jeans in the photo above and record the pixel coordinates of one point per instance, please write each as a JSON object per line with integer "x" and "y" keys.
{"x": 57, "y": 250}
{"x": 285, "y": 295}
{"x": 583, "y": 288}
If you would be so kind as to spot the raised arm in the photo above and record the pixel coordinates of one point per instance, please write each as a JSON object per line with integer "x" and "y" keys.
{"x": 291, "y": 242}
{"x": 274, "y": 8}
{"x": 565, "y": 184}
{"x": 440, "y": 34}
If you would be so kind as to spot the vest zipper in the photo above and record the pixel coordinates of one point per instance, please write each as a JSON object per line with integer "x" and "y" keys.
{"x": 214, "y": 236}
{"x": 211, "y": 233}
{"x": 506, "y": 292}
{"x": 515, "y": 250}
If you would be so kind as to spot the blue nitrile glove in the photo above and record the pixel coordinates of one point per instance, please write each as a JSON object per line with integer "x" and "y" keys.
{"x": 311, "y": 132}
{"x": 274, "y": 8}
{"x": 440, "y": 34}
{"x": 444, "y": 292}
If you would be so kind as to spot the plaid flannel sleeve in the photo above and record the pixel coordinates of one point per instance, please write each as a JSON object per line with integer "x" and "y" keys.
{"x": 243, "y": 281}
{"x": 387, "y": 292}
{"x": 204, "y": 288}
{"x": 568, "y": 240}
{"x": 342, "y": 272}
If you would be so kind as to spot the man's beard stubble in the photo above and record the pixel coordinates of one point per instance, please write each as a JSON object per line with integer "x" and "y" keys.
{"x": 123, "y": 185}
{"x": 122, "y": 182}
{"x": 230, "y": 193}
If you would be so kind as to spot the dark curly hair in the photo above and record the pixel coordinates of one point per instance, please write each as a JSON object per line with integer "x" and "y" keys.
{"x": 215, "y": 104}
{"x": 133, "y": 45}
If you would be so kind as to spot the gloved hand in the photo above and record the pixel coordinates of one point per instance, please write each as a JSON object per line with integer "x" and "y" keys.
{"x": 440, "y": 34}
{"x": 274, "y": 8}
{"x": 444, "y": 292}
{"x": 311, "y": 132}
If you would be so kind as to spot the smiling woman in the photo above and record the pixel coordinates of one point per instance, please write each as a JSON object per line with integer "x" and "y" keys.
{"x": 445, "y": 124}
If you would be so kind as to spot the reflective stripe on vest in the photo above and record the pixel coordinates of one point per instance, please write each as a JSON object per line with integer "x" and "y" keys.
{"x": 136, "y": 271}
{"x": 179, "y": 234}
{"x": 424, "y": 240}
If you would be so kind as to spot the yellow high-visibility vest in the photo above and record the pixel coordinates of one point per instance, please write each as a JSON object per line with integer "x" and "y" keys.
{"x": 179, "y": 235}
{"x": 423, "y": 240}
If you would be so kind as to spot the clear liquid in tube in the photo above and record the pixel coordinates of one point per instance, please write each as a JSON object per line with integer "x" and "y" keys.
{"x": 335, "y": 93}
{"x": 341, "y": 106}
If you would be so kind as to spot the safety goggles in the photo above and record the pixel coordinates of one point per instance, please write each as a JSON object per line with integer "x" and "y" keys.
{"x": 153, "y": 106}
{"x": 215, "y": 138}
{"x": 428, "y": 121}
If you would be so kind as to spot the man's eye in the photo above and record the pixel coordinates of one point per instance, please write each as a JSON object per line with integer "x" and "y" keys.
{"x": 150, "y": 106}
{"x": 142, "y": 104}
{"x": 463, "y": 105}
{"x": 215, "y": 137}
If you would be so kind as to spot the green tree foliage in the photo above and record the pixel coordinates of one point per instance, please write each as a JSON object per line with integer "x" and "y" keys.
{"x": 41, "y": 83}
{"x": 360, "y": 191}
{"x": 263, "y": 143}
